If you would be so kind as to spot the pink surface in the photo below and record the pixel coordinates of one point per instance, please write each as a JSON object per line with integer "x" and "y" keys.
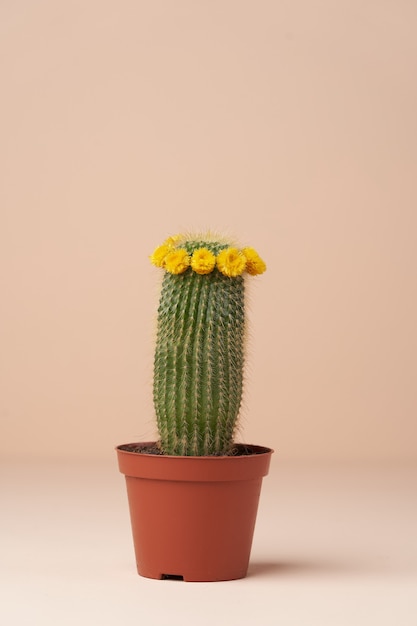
{"x": 334, "y": 545}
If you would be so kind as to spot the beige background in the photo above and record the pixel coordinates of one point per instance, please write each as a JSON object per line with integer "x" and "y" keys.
{"x": 291, "y": 125}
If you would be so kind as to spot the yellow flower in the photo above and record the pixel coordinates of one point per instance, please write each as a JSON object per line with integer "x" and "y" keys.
{"x": 254, "y": 264}
{"x": 203, "y": 261}
{"x": 231, "y": 262}
{"x": 177, "y": 261}
{"x": 159, "y": 254}
{"x": 171, "y": 241}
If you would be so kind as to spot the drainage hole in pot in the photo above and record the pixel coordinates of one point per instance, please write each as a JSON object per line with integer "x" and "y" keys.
{"x": 172, "y": 577}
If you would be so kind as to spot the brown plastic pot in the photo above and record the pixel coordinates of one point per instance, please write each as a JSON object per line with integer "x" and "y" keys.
{"x": 193, "y": 518}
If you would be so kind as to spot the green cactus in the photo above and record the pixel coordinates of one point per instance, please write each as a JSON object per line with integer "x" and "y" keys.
{"x": 199, "y": 357}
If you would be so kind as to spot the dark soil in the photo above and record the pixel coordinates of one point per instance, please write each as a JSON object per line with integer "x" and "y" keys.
{"x": 238, "y": 449}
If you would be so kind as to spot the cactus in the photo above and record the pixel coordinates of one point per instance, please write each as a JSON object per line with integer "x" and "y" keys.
{"x": 199, "y": 356}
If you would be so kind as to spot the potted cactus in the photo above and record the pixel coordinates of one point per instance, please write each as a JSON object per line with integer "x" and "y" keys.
{"x": 193, "y": 494}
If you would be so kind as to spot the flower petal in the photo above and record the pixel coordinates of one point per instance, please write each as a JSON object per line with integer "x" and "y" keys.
{"x": 203, "y": 261}
{"x": 231, "y": 262}
{"x": 177, "y": 261}
{"x": 254, "y": 264}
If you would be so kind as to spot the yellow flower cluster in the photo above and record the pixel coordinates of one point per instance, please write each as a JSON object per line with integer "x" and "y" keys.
{"x": 230, "y": 261}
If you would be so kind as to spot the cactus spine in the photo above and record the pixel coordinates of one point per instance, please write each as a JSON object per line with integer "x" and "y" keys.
{"x": 199, "y": 356}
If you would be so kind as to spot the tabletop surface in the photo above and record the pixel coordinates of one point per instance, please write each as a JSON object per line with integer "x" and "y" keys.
{"x": 334, "y": 544}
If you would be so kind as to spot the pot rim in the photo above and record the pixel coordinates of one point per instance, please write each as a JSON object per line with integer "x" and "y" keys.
{"x": 257, "y": 450}
{"x": 194, "y": 468}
